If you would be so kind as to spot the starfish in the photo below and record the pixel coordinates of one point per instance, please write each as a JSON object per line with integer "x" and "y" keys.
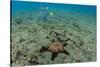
{"x": 55, "y": 48}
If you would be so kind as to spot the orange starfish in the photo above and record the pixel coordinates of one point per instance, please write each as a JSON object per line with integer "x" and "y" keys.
{"x": 55, "y": 48}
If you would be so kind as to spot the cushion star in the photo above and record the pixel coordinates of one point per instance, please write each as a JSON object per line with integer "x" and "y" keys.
{"x": 55, "y": 48}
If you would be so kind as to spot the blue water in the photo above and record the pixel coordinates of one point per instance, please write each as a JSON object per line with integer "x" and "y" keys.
{"x": 30, "y": 6}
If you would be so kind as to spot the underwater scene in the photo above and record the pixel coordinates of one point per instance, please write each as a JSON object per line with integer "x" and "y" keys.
{"x": 52, "y": 33}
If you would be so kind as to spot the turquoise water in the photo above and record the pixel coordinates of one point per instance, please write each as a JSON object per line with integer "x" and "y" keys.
{"x": 29, "y": 6}
{"x": 86, "y": 14}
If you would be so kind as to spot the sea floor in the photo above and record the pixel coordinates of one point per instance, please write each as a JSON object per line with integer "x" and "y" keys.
{"x": 30, "y": 31}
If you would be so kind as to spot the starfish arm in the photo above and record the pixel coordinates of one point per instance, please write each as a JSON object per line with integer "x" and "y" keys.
{"x": 44, "y": 49}
{"x": 64, "y": 44}
{"x": 54, "y": 55}
{"x": 66, "y": 52}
